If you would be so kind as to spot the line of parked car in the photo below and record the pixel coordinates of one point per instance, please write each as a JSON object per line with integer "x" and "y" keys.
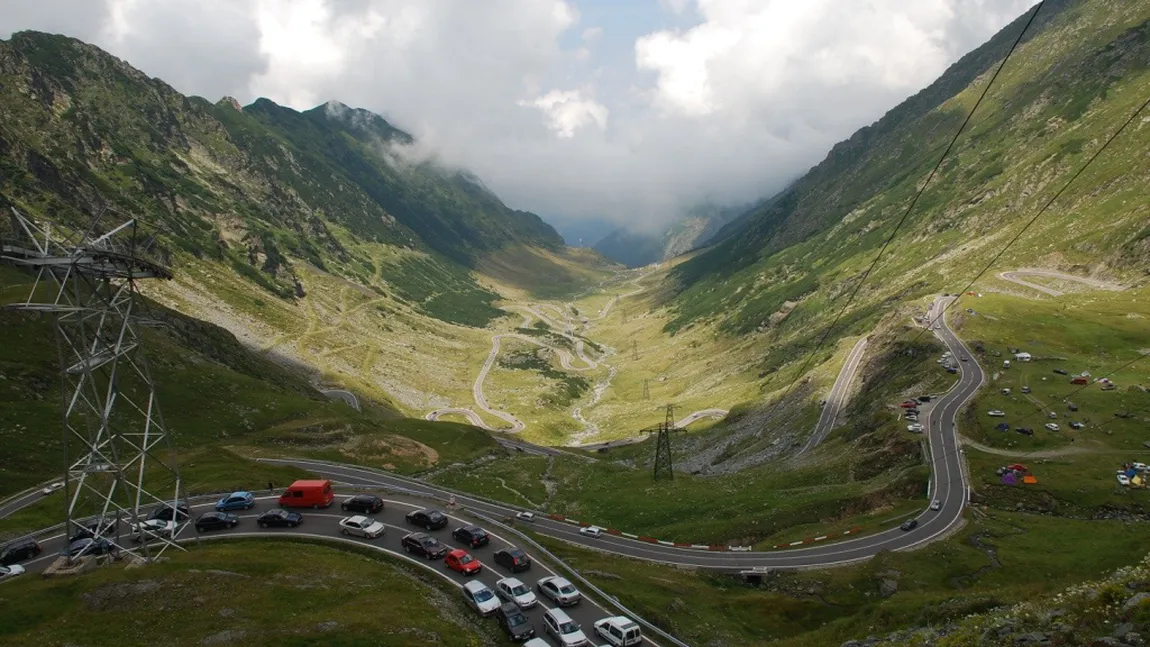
{"x": 507, "y": 602}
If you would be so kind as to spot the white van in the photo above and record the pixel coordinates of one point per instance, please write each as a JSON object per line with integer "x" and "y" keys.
{"x": 619, "y": 631}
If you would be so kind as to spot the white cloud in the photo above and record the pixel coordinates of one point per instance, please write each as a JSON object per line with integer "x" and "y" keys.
{"x": 568, "y": 111}
{"x": 729, "y": 109}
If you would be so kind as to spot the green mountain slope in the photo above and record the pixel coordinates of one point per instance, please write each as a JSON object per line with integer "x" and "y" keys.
{"x": 694, "y": 229}
{"x": 261, "y": 189}
{"x": 217, "y": 397}
{"x": 1078, "y": 75}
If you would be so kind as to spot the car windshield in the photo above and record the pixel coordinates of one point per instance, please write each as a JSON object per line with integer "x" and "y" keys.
{"x": 466, "y": 559}
{"x": 567, "y": 589}
{"x": 484, "y": 595}
{"x": 516, "y": 620}
{"x": 517, "y": 554}
{"x": 568, "y": 628}
{"x": 435, "y": 515}
{"x": 477, "y": 532}
{"x": 520, "y": 590}
{"x": 429, "y": 542}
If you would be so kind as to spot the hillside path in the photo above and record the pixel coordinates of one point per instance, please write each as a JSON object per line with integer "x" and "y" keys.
{"x": 1014, "y": 276}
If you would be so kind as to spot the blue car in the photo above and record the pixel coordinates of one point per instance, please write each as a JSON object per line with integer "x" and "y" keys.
{"x": 236, "y": 501}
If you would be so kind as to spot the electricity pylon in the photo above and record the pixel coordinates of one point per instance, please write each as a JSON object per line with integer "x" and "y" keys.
{"x": 664, "y": 467}
{"x": 118, "y": 455}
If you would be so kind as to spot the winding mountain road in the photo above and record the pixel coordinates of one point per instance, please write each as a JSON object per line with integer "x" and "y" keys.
{"x": 1014, "y": 276}
{"x": 948, "y": 486}
{"x": 837, "y": 397}
{"x": 564, "y": 329}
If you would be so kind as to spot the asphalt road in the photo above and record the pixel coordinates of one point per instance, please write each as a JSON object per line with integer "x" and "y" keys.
{"x": 948, "y": 486}
{"x": 346, "y": 396}
{"x": 324, "y": 523}
{"x": 1014, "y": 276}
{"x": 837, "y": 397}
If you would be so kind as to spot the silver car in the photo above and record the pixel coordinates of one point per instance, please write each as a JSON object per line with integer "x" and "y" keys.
{"x": 560, "y": 590}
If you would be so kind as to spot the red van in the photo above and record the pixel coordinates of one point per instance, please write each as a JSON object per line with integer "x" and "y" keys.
{"x": 308, "y": 494}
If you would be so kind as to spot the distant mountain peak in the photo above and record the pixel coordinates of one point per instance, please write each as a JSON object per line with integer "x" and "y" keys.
{"x": 230, "y": 101}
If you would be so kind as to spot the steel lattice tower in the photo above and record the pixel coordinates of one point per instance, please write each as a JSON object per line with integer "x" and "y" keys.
{"x": 118, "y": 456}
{"x": 664, "y": 467}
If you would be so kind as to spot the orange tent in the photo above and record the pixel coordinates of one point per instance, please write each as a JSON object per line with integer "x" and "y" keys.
{"x": 1029, "y": 479}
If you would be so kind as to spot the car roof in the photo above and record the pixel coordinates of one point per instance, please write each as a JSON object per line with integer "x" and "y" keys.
{"x": 557, "y": 580}
{"x": 510, "y": 581}
{"x": 359, "y": 518}
{"x": 458, "y": 552}
{"x": 241, "y": 493}
{"x": 623, "y": 621}
{"x": 559, "y": 614}
{"x": 475, "y": 586}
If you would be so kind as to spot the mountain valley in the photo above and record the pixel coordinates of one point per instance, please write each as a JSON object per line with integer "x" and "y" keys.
{"x": 993, "y": 282}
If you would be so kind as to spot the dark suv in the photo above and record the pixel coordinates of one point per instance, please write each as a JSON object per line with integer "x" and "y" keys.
{"x": 473, "y": 536}
{"x": 363, "y": 504}
{"x": 909, "y": 524}
{"x": 424, "y": 545}
{"x": 513, "y": 621}
{"x": 19, "y": 550}
{"x": 429, "y": 519}
{"x": 513, "y": 559}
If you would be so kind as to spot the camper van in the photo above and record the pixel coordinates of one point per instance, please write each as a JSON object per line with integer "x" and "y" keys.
{"x": 307, "y": 494}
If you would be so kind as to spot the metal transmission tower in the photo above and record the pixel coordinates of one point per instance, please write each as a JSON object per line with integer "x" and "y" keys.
{"x": 664, "y": 468}
{"x": 118, "y": 455}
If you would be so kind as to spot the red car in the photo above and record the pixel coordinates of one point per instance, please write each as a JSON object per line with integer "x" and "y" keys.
{"x": 462, "y": 561}
{"x": 909, "y": 404}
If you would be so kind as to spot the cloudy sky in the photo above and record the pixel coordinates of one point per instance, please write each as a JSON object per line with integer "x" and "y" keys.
{"x": 627, "y": 110}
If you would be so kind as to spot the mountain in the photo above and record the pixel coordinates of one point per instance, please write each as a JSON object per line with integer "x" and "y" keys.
{"x": 261, "y": 188}
{"x": 690, "y": 231}
{"x": 1079, "y": 73}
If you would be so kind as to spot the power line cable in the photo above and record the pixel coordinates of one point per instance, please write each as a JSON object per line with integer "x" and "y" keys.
{"x": 854, "y": 292}
{"x": 1046, "y": 206}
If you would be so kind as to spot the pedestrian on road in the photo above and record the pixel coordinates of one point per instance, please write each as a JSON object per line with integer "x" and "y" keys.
{"x": 270, "y": 487}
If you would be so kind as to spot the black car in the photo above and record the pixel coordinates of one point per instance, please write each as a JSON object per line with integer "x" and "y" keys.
{"x": 166, "y": 513}
{"x": 473, "y": 536}
{"x": 909, "y": 524}
{"x": 429, "y": 519}
{"x": 424, "y": 545}
{"x": 363, "y": 504}
{"x": 91, "y": 546}
{"x": 280, "y": 518}
{"x": 102, "y": 526}
{"x": 216, "y": 521}
{"x": 513, "y": 559}
{"x": 513, "y": 621}
{"x": 19, "y": 550}
{"x": 1025, "y": 431}
{"x": 1060, "y": 371}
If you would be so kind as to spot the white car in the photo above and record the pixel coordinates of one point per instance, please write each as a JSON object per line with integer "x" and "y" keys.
{"x": 591, "y": 531}
{"x": 1053, "y": 426}
{"x": 996, "y": 413}
{"x": 916, "y": 427}
{"x": 936, "y": 505}
{"x": 8, "y": 572}
{"x": 53, "y": 487}
{"x": 525, "y": 516}
{"x": 361, "y": 526}
{"x": 152, "y": 529}
{"x": 565, "y": 630}
{"x": 512, "y": 590}
{"x": 560, "y": 590}
{"x": 1141, "y": 467}
{"x": 619, "y": 631}
{"x": 1123, "y": 479}
{"x": 480, "y": 598}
